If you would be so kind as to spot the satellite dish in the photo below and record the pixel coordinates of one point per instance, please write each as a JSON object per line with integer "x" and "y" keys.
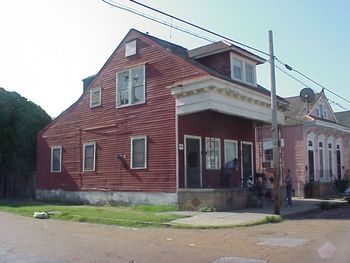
{"x": 307, "y": 95}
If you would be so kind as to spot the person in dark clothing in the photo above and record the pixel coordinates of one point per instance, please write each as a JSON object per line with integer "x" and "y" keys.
{"x": 226, "y": 172}
{"x": 289, "y": 186}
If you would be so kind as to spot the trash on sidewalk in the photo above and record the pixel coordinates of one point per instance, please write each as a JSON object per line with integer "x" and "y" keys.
{"x": 41, "y": 215}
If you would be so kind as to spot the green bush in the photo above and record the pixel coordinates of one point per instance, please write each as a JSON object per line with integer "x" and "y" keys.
{"x": 273, "y": 219}
{"x": 342, "y": 185}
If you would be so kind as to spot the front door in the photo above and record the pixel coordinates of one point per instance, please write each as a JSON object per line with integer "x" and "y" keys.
{"x": 311, "y": 166}
{"x": 247, "y": 162}
{"x": 193, "y": 173}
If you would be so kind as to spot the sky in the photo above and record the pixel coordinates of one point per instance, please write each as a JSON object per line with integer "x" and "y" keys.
{"x": 48, "y": 46}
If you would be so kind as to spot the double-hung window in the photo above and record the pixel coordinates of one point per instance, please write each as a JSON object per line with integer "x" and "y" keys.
{"x": 56, "y": 159}
{"x": 321, "y": 159}
{"x": 230, "y": 150}
{"x": 131, "y": 86}
{"x": 139, "y": 152}
{"x": 95, "y": 97}
{"x": 89, "y": 153}
{"x": 243, "y": 71}
{"x": 237, "y": 68}
{"x": 249, "y": 73}
{"x": 268, "y": 155}
{"x": 212, "y": 149}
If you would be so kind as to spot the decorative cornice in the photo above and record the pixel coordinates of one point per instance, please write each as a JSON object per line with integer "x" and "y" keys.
{"x": 205, "y": 85}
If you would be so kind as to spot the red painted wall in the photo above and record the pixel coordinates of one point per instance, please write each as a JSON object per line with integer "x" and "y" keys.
{"x": 218, "y": 62}
{"x": 111, "y": 128}
{"x": 216, "y": 125}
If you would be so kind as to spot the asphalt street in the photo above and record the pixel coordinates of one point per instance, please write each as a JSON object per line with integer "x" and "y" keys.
{"x": 317, "y": 237}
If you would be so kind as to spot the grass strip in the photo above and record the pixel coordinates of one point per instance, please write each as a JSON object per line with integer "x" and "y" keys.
{"x": 127, "y": 216}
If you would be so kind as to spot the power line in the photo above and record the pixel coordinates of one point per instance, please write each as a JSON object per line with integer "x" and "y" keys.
{"x": 128, "y": 9}
{"x": 136, "y": 12}
{"x": 310, "y": 79}
{"x": 201, "y": 28}
{"x": 306, "y": 86}
{"x": 236, "y": 42}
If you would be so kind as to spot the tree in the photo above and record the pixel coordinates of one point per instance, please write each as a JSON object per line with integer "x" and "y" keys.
{"x": 20, "y": 121}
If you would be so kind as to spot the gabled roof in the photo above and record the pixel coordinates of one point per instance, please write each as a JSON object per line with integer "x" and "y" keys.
{"x": 184, "y": 54}
{"x": 178, "y": 51}
{"x": 300, "y": 111}
{"x": 343, "y": 118}
{"x": 222, "y": 46}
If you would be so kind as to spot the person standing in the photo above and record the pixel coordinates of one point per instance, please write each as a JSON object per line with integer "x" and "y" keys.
{"x": 226, "y": 172}
{"x": 269, "y": 188}
{"x": 289, "y": 186}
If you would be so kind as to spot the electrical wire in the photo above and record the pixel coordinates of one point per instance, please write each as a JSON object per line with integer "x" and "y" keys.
{"x": 306, "y": 86}
{"x": 201, "y": 28}
{"x": 310, "y": 79}
{"x": 128, "y": 9}
{"x": 136, "y": 12}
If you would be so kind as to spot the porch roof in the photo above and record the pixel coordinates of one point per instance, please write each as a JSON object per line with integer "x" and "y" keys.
{"x": 212, "y": 93}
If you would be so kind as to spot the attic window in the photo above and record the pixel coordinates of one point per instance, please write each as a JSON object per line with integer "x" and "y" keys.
{"x": 95, "y": 97}
{"x": 321, "y": 112}
{"x": 130, "y": 48}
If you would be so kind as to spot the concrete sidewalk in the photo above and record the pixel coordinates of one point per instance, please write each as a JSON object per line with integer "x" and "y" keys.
{"x": 250, "y": 215}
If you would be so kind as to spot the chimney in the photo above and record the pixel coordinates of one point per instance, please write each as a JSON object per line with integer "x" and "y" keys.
{"x": 87, "y": 81}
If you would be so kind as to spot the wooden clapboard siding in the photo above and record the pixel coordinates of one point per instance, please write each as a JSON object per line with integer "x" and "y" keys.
{"x": 215, "y": 125}
{"x": 218, "y": 62}
{"x": 111, "y": 127}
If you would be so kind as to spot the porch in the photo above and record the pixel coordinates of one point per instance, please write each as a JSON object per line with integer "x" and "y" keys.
{"x": 216, "y": 121}
{"x": 226, "y": 199}
{"x": 220, "y": 199}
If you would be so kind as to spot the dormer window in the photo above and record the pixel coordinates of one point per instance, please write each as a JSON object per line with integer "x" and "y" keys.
{"x": 249, "y": 73}
{"x": 237, "y": 68}
{"x": 242, "y": 70}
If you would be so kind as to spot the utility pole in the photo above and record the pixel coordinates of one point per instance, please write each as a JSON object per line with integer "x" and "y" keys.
{"x": 275, "y": 139}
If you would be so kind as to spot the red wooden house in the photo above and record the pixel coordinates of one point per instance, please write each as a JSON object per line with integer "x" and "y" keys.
{"x": 155, "y": 125}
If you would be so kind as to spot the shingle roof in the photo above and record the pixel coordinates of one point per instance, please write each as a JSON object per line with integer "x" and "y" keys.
{"x": 343, "y": 117}
{"x": 183, "y": 53}
{"x": 298, "y": 110}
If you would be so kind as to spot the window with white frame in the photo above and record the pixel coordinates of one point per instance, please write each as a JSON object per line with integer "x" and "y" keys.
{"x": 230, "y": 150}
{"x": 321, "y": 158}
{"x": 89, "y": 154}
{"x": 237, "y": 69}
{"x": 212, "y": 149}
{"x": 330, "y": 160}
{"x": 267, "y": 150}
{"x": 139, "y": 152}
{"x": 309, "y": 143}
{"x": 130, "y": 48}
{"x": 131, "y": 86}
{"x": 95, "y": 97}
{"x": 268, "y": 155}
{"x": 249, "y": 73}
{"x": 56, "y": 159}
{"x": 242, "y": 70}
{"x": 321, "y": 111}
